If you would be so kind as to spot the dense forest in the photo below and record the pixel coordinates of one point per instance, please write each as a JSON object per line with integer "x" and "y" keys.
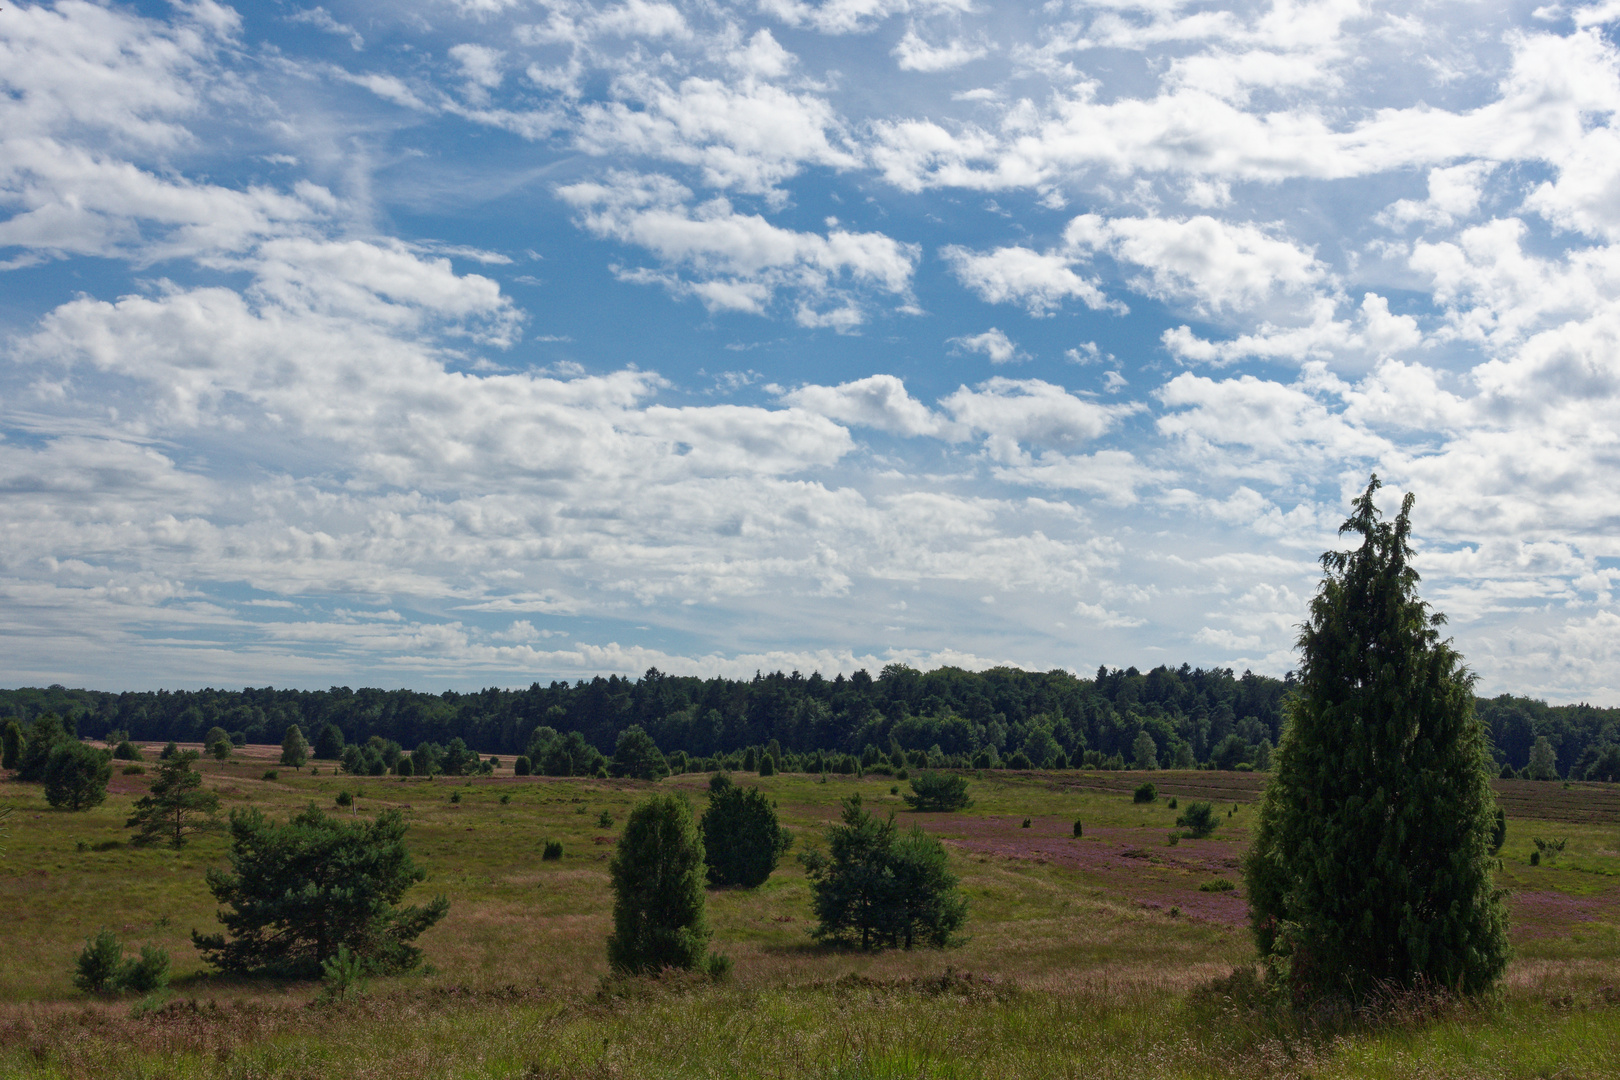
{"x": 1204, "y": 716}
{"x": 1192, "y": 716}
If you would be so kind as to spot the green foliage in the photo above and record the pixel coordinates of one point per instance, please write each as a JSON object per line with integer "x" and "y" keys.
{"x": 133, "y": 770}
{"x": 553, "y": 850}
{"x": 403, "y": 767}
{"x": 76, "y": 775}
{"x": 522, "y": 767}
{"x": 1543, "y": 760}
{"x": 767, "y": 765}
{"x": 1173, "y": 804}
{"x": 1144, "y": 753}
{"x": 455, "y": 796}
{"x": 42, "y": 737}
{"x": 97, "y": 969}
{"x": 148, "y": 973}
{"x": 170, "y": 749}
{"x": 1079, "y": 828}
{"x": 604, "y": 820}
{"x": 296, "y": 892}
{"x": 1369, "y": 866}
{"x": 344, "y": 799}
{"x": 101, "y": 968}
{"x": 1145, "y": 793}
{"x": 329, "y": 743}
{"x": 11, "y": 745}
{"x": 881, "y": 889}
{"x": 1549, "y": 850}
{"x": 1229, "y": 752}
{"x": 659, "y": 916}
{"x": 742, "y": 839}
{"x": 939, "y": 792}
{"x": 294, "y": 750}
{"x": 270, "y": 774}
{"x": 1019, "y": 760}
{"x": 1199, "y": 820}
{"x": 127, "y": 751}
{"x": 636, "y": 755}
{"x": 1219, "y": 884}
{"x": 343, "y": 976}
{"x": 1026, "y": 823}
{"x": 174, "y": 804}
{"x": 1605, "y": 766}
{"x": 1499, "y": 831}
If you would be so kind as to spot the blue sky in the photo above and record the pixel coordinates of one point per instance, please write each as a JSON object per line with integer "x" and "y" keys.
{"x": 471, "y": 342}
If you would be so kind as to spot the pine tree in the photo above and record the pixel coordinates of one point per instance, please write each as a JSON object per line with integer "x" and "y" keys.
{"x": 880, "y": 888}
{"x": 42, "y": 737}
{"x": 296, "y": 892}
{"x": 1370, "y": 861}
{"x": 76, "y": 775}
{"x": 659, "y": 908}
{"x": 171, "y": 808}
{"x": 294, "y": 750}
{"x": 329, "y": 743}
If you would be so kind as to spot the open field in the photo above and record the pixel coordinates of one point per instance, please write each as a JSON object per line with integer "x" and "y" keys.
{"x": 1080, "y": 958}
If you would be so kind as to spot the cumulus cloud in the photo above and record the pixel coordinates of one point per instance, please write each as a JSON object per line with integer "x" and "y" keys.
{"x": 741, "y": 260}
{"x": 992, "y": 343}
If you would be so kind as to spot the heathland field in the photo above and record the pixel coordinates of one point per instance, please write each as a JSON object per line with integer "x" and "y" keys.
{"x": 1090, "y": 956}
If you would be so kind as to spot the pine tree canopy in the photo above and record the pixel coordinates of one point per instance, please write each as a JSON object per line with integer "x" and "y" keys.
{"x": 1370, "y": 864}
{"x": 296, "y": 892}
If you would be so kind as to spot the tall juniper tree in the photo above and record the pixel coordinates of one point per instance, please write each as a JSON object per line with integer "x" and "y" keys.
{"x": 1370, "y": 865}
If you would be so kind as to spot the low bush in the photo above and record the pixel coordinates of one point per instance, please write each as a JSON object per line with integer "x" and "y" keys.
{"x": 1219, "y": 884}
{"x": 1144, "y": 793}
{"x": 403, "y": 767}
{"x": 271, "y": 774}
{"x": 102, "y": 969}
{"x": 1173, "y": 804}
{"x": 345, "y": 799}
{"x": 127, "y": 751}
{"x": 553, "y": 850}
{"x": 1199, "y": 820}
{"x": 505, "y": 799}
{"x": 522, "y": 766}
{"x": 134, "y": 770}
{"x": 604, "y": 820}
{"x": 455, "y": 796}
{"x": 1025, "y": 825}
{"x": 1077, "y": 828}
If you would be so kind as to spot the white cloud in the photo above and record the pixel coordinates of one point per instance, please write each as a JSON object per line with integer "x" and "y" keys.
{"x": 742, "y": 259}
{"x": 877, "y": 401}
{"x": 1039, "y": 281}
{"x": 1217, "y": 265}
{"x": 993, "y": 344}
{"x": 915, "y": 54}
{"x": 853, "y": 16}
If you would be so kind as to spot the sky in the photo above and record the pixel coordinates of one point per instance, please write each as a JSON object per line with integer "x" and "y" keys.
{"x": 453, "y": 343}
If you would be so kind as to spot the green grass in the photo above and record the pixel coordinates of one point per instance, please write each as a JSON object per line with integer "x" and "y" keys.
{"x": 1081, "y": 961}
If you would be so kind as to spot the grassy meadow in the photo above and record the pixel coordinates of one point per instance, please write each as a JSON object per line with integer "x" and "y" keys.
{"x": 1083, "y": 957}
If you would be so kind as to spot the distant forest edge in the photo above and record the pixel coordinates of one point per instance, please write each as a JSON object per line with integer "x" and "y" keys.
{"x": 948, "y": 716}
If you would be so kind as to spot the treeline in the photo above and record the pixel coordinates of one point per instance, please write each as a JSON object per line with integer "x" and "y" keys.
{"x": 1189, "y": 715}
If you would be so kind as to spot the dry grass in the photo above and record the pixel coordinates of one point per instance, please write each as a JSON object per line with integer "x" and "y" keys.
{"x": 1081, "y": 960}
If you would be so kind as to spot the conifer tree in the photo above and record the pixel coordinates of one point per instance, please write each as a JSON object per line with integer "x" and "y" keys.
{"x": 659, "y": 909}
{"x": 12, "y": 747}
{"x": 172, "y": 807}
{"x": 76, "y": 775}
{"x": 742, "y": 839}
{"x": 1370, "y": 861}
